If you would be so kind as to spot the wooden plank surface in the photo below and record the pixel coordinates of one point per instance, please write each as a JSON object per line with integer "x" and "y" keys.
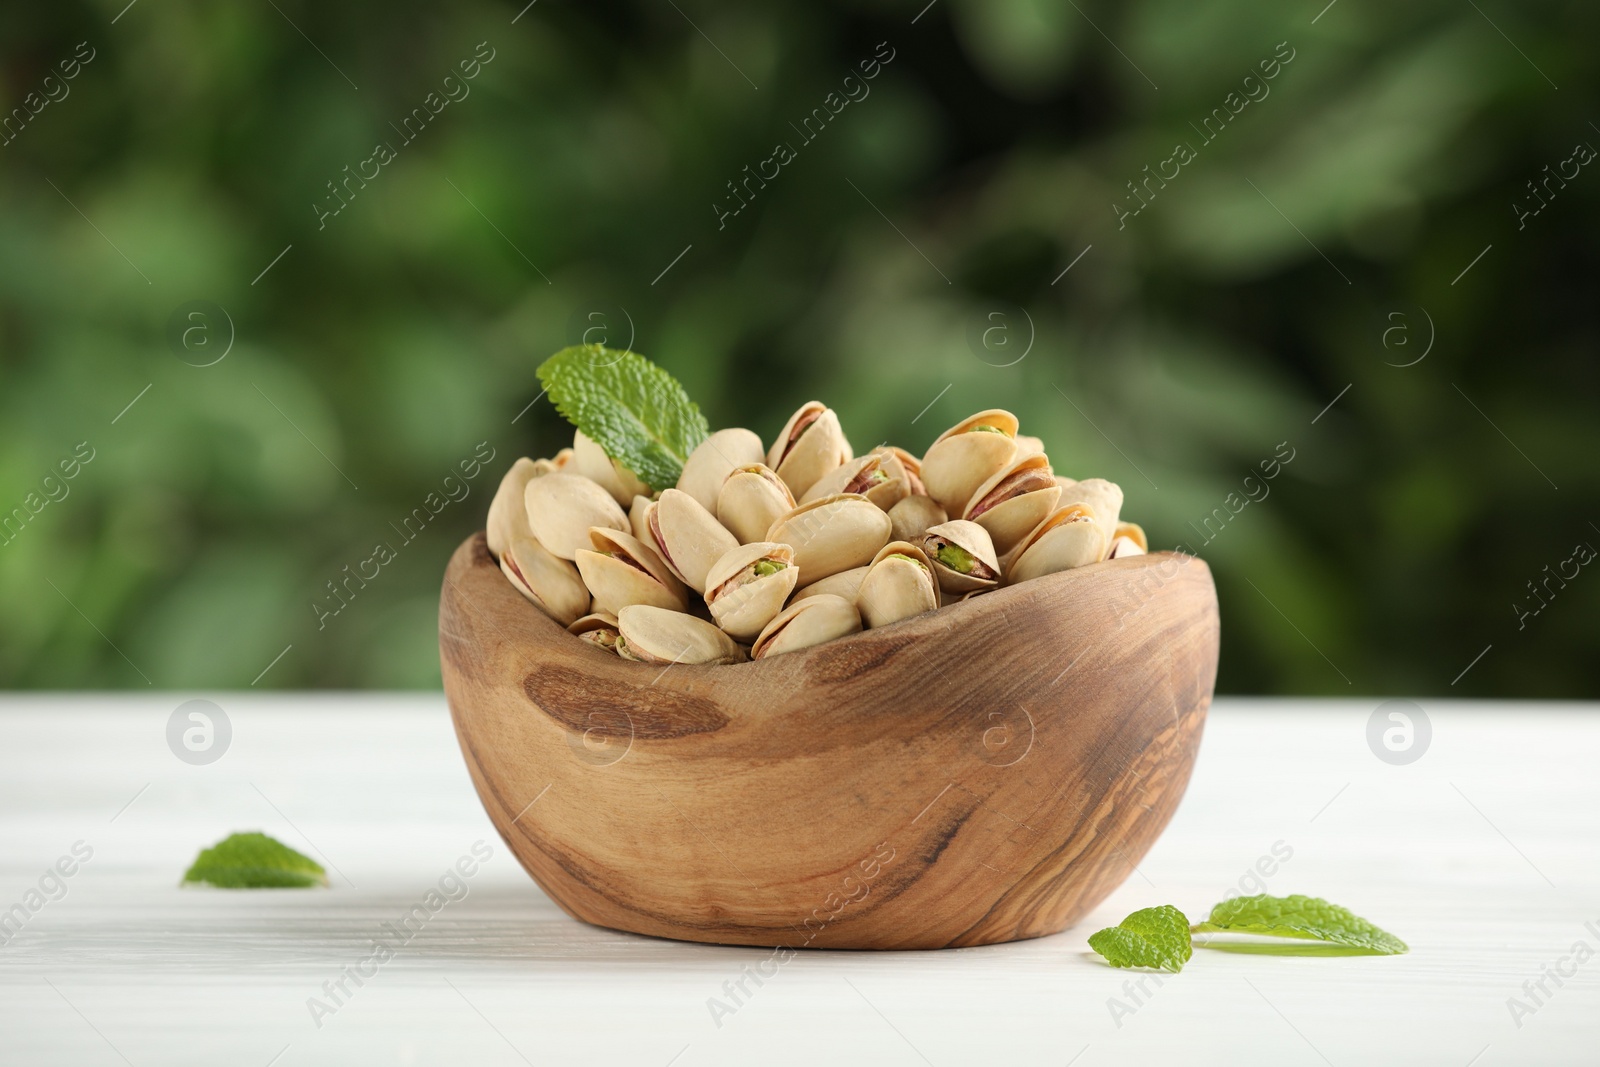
{"x": 1482, "y": 855}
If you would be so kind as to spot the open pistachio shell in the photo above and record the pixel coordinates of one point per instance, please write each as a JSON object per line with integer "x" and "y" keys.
{"x": 1104, "y": 499}
{"x": 562, "y": 507}
{"x": 713, "y": 459}
{"x": 1071, "y": 537}
{"x": 962, "y": 556}
{"x": 832, "y": 534}
{"x": 879, "y": 476}
{"x": 1122, "y": 547}
{"x": 898, "y": 585}
{"x": 1018, "y": 498}
{"x": 751, "y": 500}
{"x": 508, "y": 512}
{"x": 911, "y": 517}
{"x": 844, "y": 584}
{"x": 810, "y": 445}
{"x": 748, "y": 586}
{"x": 598, "y": 629}
{"x": 638, "y": 519}
{"x": 688, "y": 537}
{"x": 808, "y": 622}
{"x": 591, "y": 461}
{"x": 621, "y": 570}
{"x": 656, "y": 635}
{"x": 913, "y": 468}
{"x": 1134, "y": 532}
{"x": 967, "y": 455}
{"x": 1027, "y": 445}
{"x": 563, "y": 461}
{"x": 550, "y": 582}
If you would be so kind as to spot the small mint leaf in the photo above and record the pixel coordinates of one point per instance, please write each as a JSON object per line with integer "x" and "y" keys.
{"x": 255, "y": 861}
{"x": 1304, "y": 918}
{"x": 1151, "y": 937}
{"x": 629, "y": 406}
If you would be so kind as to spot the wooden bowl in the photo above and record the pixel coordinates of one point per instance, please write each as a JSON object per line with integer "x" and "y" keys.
{"x": 987, "y": 772}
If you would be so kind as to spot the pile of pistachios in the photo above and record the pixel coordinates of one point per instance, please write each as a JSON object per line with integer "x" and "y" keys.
{"x": 761, "y": 551}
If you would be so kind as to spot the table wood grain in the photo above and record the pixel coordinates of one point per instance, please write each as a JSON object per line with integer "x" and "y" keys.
{"x": 1482, "y": 855}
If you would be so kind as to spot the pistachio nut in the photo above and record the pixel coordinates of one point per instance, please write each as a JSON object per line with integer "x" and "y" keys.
{"x": 1134, "y": 532}
{"x": 748, "y": 586}
{"x": 598, "y": 629}
{"x": 1018, "y": 498}
{"x": 807, "y": 622}
{"x": 750, "y": 501}
{"x": 656, "y": 635}
{"x": 898, "y": 585}
{"x": 637, "y": 518}
{"x": 549, "y": 581}
{"x": 562, "y": 507}
{"x": 1104, "y": 499}
{"x": 879, "y": 476}
{"x": 967, "y": 455}
{"x": 1122, "y": 547}
{"x": 913, "y": 468}
{"x": 1027, "y": 445}
{"x": 832, "y": 534}
{"x": 1064, "y": 482}
{"x": 962, "y": 556}
{"x": 844, "y": 584}
{"x": 508, "y": 513}
{"x": 811, "y": 445}
{"x": 1071, "y": 537}
{"x": 591, "y": 461}
{"x": 911, "y": 517}
{"x": 545, "y": 466}
{"x": 687, "y": 536}
{"x": 563, "y": 461}
{"x": 713, "y": 459}
{"x": 621, "y": 570}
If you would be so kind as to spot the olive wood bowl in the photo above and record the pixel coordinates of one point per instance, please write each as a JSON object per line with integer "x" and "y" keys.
{"x": 983, "y": 773}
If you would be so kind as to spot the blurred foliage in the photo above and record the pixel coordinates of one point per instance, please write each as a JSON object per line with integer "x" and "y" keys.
{"x": 1173, "y": 357}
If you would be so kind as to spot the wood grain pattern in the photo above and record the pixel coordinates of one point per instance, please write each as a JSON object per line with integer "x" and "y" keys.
{"x": 985, "y": 773}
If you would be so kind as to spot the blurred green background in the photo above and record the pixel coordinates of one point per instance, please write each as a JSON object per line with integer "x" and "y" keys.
{"x": 1311, "y": 250}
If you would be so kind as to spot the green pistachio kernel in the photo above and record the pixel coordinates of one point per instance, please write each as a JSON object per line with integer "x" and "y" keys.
{"x": 908, "y": 559}
{"x": 982, "y": 428}
{"x": 764, "y": 567}
{"x": 956, "y": 558}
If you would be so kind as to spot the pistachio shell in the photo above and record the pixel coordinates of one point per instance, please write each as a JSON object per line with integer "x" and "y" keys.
{"x": 809, "y": 622}
{"x": 638, "y": 518}
{"x": 751, "y": 500}
{"x": 971, "y": 539}
{"x": 1072, "y": 537}
{"x": 1134, "y": 532}
{"x": 591, "y": 461}
{"x": 878, "y": 476}
{"x": 742, "y": 601}
{"x": 563, "y": 461}
{"x": 1104, "y": 499}
{"x": 1122, "y": 547}
{"x": 562, "y": 507}
{"x": 622, "y": 570}
{"x": 963, "y": 458}
{"x": 832, "y": 534}
{"x": 1064, "y": 482}
{"x": 913, "y": 468}
{"x": 598, "y": 629}
{"x": 687, "y": 536}
{"x": 656, "y": 635}
{"x": 898, "y": 585}
{"x": 810, "y": 445}
{"x": 1018, "y": 498}
{"x": 508, "y": 513}
{"x": 550, "y": 582}
{"x": 1028, "y": 445}
{"x": 713, "y": 459}
{"x": 845, "y": 584}
{"x": 911, "y": 517}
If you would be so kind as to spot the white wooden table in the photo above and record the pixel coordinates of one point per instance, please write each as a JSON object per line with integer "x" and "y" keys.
{"x": 1482, "y": 855}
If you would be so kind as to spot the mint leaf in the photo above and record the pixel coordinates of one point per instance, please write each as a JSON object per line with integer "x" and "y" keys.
{"x": 1305, "y": 918}
{"x": 629, "y": 406}
{"x": 254, "y": 861}
{"x": 1150, "y": 937}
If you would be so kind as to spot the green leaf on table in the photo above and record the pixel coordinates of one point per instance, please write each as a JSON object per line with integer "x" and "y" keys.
{"x": 1151, "y": 937}
{"x": 255, "y": 861}
{"x": 627, "y": 405}
{"x": 1303, "y": 918}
